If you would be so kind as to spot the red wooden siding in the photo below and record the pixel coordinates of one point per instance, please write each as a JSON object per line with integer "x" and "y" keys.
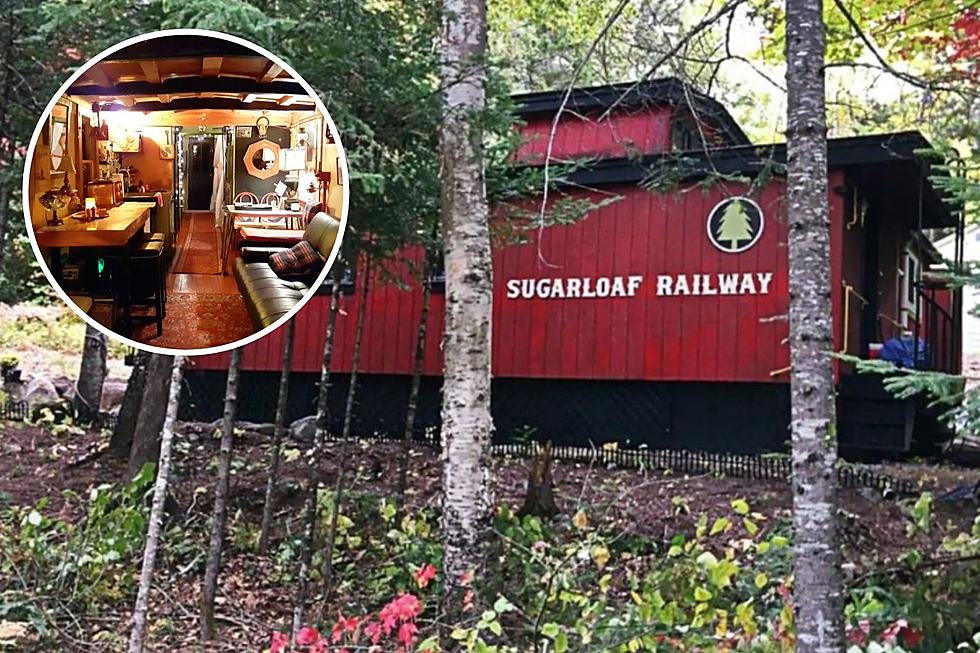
{"x": 621, "y": 134}
{"x": 644, "y": 337}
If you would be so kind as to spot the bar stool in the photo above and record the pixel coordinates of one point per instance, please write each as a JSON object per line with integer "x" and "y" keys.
{"x": 141, "y": 280}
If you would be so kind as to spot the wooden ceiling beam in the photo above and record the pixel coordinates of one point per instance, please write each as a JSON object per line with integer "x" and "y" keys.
{"x": 180, "y": 104}
{"x": 211, "y": 66}
{"x": 271, "y": 72}
{"x": 176, "y": 85}
{"x": 150, "y": 71}
{"x": 97, "y": 75}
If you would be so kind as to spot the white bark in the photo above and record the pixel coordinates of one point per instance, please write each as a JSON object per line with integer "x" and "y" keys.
{"x": 817, "y": 582}
{"x": 220, "y": 512}
{"x": 466, "y": 420}
{"x": 156, "y": 511}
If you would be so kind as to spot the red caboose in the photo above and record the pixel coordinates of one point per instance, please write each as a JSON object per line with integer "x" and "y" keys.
{"x": 660, "y": 318}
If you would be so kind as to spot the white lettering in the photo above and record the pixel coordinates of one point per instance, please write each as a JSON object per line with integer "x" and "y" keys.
{"x": 543, "y": 288}
{"x": 634, "y": 284}
{"x": 765, "y": 278}
{"x": 618, "y": 287}
{"x": 602, "y": 286}
{"x": 558, "y": 289}
{"x": 668, "y": 285}
{"x": 727, "y": 283}
{"x": 587, "y": 288}
{"x": 680, "y": 286}
{"x": 748, "y": 285}
{"x": 706, "y": 288}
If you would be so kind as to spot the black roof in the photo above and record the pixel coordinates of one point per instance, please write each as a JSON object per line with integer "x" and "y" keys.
{"x": 896, "y": 160}
{"x": 632, "y": 95}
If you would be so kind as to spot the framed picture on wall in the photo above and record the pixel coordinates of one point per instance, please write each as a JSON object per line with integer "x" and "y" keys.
{"x": 340, "y": 177}
{"x": 243, "y": 132}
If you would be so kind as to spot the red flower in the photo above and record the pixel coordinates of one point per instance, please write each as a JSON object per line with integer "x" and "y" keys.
{"x": 307, "y": 636}
{"x": 404, "y": 607}
{"x": 344, "y": 625}
{"x": 279, "y": 643}
{"x": 425, "y": 575}
{"x": 858, "y": 635}
{"x": 406, "y": 633}
{"x": 468, "y": 601}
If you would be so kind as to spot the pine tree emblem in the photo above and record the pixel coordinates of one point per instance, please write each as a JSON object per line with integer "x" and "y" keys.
{"x": 734, "y": 224}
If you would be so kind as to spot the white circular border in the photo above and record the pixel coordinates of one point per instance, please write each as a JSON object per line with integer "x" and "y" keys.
{"x": 343, "y": 211}
{"x": 758, "y": 234}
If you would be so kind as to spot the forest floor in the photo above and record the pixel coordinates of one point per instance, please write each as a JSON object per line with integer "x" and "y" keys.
{"x": 255, "y": 595}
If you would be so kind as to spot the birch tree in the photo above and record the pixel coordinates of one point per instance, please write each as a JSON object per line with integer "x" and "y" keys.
{"x": 220, "y": 512}
{"x": 138, "y": 632}
{"x": 817, "y": 582}
{"x": 282, "y": 405}
{"x": 91, "y": 375}
{"x": 466, "y": 420}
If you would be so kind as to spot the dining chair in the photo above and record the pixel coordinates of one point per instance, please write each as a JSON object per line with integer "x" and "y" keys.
{"x": 247, "y": 196}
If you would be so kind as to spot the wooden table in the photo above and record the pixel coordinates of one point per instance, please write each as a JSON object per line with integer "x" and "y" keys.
{"x": 241, "y": 217}
{"x": 115, "y": 230}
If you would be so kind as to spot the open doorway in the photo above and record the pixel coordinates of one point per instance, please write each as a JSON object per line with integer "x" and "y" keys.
{"x": 199, "y": 171}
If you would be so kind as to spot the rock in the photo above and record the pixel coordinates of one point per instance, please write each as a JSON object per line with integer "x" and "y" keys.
{"x": 112, "y": 393}
{"x": 64, "y": 386}
{"x": 303, "y": 429}
{"x": 253, "y": 427}
{"x": 40, "y": 392}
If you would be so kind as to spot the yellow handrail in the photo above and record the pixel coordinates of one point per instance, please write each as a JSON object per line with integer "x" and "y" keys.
{"x": 848, "y": 291}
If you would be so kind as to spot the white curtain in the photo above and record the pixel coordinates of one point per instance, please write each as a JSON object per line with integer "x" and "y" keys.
{"x": 218, "y": 183}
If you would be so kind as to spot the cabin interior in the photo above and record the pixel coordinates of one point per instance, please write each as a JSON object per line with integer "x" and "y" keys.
{"x": 165, "y": 177}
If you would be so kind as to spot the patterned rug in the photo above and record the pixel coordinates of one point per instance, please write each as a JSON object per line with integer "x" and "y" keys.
{"x": 198, "y": 320}
{"x": 197, "y": 246}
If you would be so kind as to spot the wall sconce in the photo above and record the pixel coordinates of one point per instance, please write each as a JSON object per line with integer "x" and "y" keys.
{"x": 262, "y": 124}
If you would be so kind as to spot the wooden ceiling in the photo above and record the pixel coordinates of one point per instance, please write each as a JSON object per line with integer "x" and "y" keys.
{"x": 198, "y": 73}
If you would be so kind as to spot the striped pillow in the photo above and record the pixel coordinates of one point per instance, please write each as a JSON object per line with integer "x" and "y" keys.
{"x": 299, "y": 260}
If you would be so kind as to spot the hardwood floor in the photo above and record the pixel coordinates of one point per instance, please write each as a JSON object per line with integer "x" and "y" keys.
{"x": 203, "y": 309}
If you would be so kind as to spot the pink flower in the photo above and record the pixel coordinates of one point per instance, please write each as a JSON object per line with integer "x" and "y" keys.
{"x": 406, "y": 633}
{"x": 307, "y": 636}
{"x": 425, "y": 575}
{"x": 373, "y": 632}
{"x": 279, "y": 643}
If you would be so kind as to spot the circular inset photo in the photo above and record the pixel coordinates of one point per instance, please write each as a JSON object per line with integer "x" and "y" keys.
{"x": 184, "y": 192}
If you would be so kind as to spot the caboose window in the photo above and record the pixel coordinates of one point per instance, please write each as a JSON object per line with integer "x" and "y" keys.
{"x": 682, "y": 136}
{"x": 910, "y": 274}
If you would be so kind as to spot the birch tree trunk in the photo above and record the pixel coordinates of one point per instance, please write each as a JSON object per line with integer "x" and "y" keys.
{"x": 156, "y": 511}
{"x": 153, "y": 409}
{"x": 122, "y": 435}
{"x": 322, "y": 424}
{"x": 411, "y": 409}
{"x": 281, "y": 407}
{"x": 466, "y": 420}
{"x": 91, "y": 375}
{"x": 220, "y": 511}
{"x": 817, "y": 583}
{"x": 338, "y": 490}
